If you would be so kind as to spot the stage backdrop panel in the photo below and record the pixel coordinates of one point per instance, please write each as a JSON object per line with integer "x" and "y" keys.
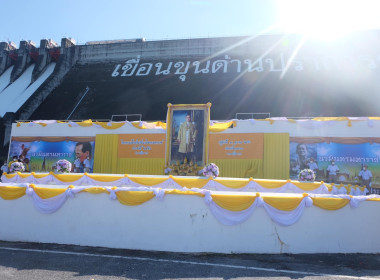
{"x": 256, "y": 155}
{"x": 108, "y": 160}
{"x": 236, "y": 146}
{"x": 42, "y": 153}
{"x": 349, "y": 153}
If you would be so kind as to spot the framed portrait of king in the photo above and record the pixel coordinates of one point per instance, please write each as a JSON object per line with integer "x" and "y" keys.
{"x": 187, "y": 134}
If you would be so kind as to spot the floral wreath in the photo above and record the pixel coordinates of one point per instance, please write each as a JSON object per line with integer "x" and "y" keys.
{"x": 63, "y": 166}
{"x": 211, "y": 170}
{"x": 16, "y": 167}
{"x": 306, "y": 175}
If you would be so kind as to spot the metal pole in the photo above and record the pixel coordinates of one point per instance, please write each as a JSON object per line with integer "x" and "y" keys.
{"x": 87, "y": 89}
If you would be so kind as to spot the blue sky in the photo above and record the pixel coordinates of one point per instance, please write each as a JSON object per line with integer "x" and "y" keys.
{"x": 88, "y": 20}
{"x": 92, "y": 20}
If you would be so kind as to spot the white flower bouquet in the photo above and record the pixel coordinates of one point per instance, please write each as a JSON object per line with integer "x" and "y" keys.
{"x": 16, "y": 167}
{"x": 306, "y": 175}
{"x": 211, "y": 170}
{"x": 63, "y": 166}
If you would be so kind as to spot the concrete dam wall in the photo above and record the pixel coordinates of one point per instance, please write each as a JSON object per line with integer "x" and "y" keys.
{"x": 284, "y": 75}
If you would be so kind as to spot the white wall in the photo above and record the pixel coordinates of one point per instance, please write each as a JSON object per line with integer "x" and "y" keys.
{"x": 183, "y": 223}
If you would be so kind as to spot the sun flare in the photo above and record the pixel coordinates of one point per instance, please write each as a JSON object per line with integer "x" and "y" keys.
{"x": 327, "y": 19}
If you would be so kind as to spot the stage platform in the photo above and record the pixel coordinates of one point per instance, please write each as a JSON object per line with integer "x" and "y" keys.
{"x": 181, "y": 214}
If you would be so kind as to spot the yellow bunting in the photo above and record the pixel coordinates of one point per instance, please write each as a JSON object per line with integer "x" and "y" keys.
{"x": 161, "y": 124}
{"x": 292, "y": 121}
{"x": 39, "y": 175}
{"x": 219, "y": 127}
{"x": 329, "y": 203}
{"x": 233, "y": 184}
{"x": 373, "y": 199}
{"x": 145, "y": 181}
{"x": 330, "y": 119}
{"x": 307, "y": 186}
{"x": 45, "y": 193}
{"x": 102, "y": 178}
{"x": 67, "y": 177}
{"x": 270, "y": 184}
{"x": 133, "y": 198}
{"x": 96, "y": 190}
{"x": 111, "y": 125}
{"x": 183, "y": 192}
{"x": 85, "y": 123}
{"x": 283, "y": 203}
{"x": 190, "y": 182}
{"x": 234, "y": 203}
{"x": 9, "y": 193}
{"x": 9, "y": 175}
{"x": 148, "y": 125}
{"x": 23, "y": 175}
{"x": 18, "y": 124}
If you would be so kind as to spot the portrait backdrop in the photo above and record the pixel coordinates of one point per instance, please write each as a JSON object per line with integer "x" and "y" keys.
{"x": 349, "y": 154}
{"x": 44, "y": 152}
{"x": 187, "y": 134}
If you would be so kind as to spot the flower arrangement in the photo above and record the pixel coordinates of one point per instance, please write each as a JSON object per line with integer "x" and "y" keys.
{"x": 306, "y": 175}
{"x": 63, "y": 166}
{"x": 16, "y": 167}
{"x": 211, "y": 170}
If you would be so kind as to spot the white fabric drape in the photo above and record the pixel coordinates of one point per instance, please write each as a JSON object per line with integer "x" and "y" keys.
{"x": 169, "y": 183}
{"x": 226, "y": 217}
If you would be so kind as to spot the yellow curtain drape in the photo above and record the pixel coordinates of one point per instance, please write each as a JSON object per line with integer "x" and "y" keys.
{"x": 233, "y": 202}
{"x": 276, "y": 156}
{"x": 105, "y": 157}
{"x": 283, "y": 203}
{"x": 146, "y": 166}
{"x": 328, "y": 203}
{"x": 239, "y": 168}
{"x": 46, "y": 193}
{"x": 10, "y": 193}
{"x": 134, "y": 198}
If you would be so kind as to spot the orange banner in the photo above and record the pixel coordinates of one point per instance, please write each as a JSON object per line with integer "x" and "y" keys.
{"x": 236, "y": 146}
{"x": 141, "y": 146}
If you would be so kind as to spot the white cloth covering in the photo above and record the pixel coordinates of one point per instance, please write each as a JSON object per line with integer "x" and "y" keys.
{"x": 226, "y": 217}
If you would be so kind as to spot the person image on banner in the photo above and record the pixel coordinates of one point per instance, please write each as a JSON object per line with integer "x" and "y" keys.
{"x": 313, "y": 166}
{"x": 302, "y": 160}
{"x": 186, "y": 137}
{"x": 366, "y": 176}
{"x": 83, "y": 155}
{"x": 333, "y": 172}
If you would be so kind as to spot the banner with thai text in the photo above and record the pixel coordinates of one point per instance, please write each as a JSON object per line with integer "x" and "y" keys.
{"x": 349, "y": 158}
{"x": 141, "y": 146}
{"x": 41, "y": 155}
{"x": 236, "y": 146}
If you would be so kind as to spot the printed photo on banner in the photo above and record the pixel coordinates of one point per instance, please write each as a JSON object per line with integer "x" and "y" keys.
{"x": 302, "y": 156}
{"x": 187, "y": 131}
{"x": 41, "y": 154}
{"x": 343, "y": 161}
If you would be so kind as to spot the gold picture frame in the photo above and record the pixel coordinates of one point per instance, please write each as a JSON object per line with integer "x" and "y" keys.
{"x": 187, "y": 137}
